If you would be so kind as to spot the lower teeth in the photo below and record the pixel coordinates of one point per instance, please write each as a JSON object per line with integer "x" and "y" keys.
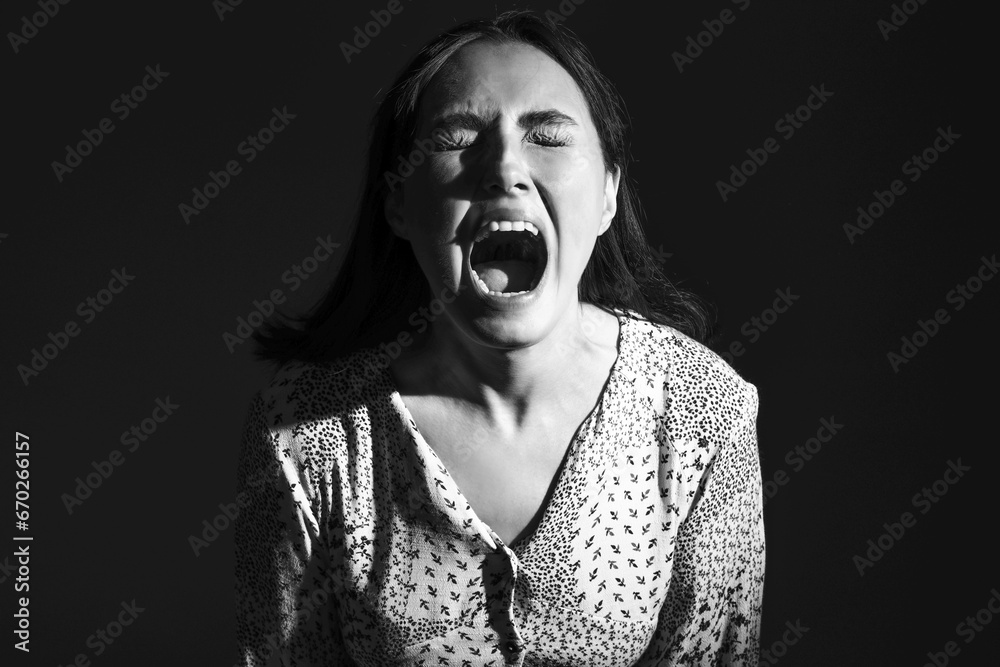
{"x": 486, "y": 289}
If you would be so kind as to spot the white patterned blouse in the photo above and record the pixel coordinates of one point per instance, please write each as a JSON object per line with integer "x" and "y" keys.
{"x": 354, "y": 545}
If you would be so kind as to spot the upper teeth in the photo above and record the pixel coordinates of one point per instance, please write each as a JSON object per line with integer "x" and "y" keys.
{"x": 506, "y": 226}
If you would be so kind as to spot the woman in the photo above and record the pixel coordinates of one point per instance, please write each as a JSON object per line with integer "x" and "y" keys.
{"x": 518, "y": 454}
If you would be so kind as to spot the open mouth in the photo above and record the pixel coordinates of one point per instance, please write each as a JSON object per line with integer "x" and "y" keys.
{"x": 508, "y": 258}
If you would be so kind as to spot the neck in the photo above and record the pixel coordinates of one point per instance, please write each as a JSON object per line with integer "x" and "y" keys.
{"x": 510, "y": 385}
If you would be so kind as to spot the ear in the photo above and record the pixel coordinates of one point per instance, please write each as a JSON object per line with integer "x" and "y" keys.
{"x": 394, "y": 212}
{"x": 610, "y": 198}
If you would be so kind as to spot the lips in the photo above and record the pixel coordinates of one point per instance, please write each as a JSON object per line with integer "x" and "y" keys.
{"x": 508, "y": 257}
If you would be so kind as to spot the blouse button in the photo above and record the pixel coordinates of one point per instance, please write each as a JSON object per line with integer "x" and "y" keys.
{"x": 513, "y": 647}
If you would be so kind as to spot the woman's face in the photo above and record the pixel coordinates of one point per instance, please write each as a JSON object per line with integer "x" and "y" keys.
{"x": 507, "y": 206}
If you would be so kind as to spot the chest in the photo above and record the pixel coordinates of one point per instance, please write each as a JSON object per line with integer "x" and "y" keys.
{"x": 507, "y": 478}
{"x": 596, "y": 566}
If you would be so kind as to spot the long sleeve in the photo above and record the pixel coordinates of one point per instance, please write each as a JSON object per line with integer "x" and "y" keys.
{"x": 711, "y": 615}
{"x": 285, "y": 609}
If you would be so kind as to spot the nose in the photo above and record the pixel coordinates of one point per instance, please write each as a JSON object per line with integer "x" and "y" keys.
{"x": 506, "y": 170}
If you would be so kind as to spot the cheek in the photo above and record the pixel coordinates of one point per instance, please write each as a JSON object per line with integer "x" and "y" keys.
{"x": 577, "y": 187}
{"x": 576, "y": 191}
{"x": 580, "y": 175}
{"x": 431, "y": 207}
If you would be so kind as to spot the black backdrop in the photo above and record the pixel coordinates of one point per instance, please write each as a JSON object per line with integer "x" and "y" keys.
{"x": 825, "y": 357}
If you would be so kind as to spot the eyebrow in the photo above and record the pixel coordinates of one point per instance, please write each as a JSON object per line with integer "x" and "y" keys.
{"x": 468, "y": 120}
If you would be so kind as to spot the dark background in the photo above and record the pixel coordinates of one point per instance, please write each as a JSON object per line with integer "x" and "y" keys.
{"x": 824, "y": 358}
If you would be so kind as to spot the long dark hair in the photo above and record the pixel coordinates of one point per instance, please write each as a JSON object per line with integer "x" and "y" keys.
{"x": 380, "y": 280}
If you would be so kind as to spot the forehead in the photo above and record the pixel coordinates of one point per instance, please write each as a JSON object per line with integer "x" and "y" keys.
{"x": 487, "y": 77}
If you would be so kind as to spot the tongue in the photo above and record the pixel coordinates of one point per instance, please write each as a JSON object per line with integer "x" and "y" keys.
{"x": 506, "y": 275}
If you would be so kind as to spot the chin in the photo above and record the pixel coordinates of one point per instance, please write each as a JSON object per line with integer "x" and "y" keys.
{"x": 507, "y": 328}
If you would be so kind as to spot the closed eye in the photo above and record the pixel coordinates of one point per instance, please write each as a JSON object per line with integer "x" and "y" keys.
{"x": 548, "y": 138}
{"x": 545, "y": 138}
{"x": 454, "y": 143}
